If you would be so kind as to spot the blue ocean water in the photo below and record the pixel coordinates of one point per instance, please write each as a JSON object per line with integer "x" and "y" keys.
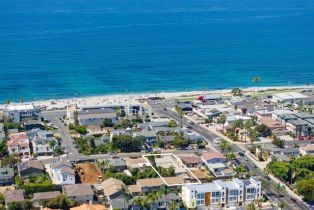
{"x": 66, "y": 48}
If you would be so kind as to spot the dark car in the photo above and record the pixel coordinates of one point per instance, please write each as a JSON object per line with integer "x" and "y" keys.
{"x": 241, "y": 154}
{"x": 293, "y": 200}
{"x": 236, "y": 162}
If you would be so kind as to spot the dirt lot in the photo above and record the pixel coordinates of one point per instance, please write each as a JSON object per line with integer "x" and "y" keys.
{"x": 5, "y": 188}
{"x": 88, "y": 172}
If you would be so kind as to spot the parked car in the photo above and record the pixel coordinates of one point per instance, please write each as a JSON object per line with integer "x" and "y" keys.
{"x": 241, "y": 154}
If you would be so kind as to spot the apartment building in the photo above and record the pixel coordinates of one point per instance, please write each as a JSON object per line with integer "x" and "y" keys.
{"x": 290, "y": 98}
{"x": 22, "y": 113}
{"x": 221, "y": 194}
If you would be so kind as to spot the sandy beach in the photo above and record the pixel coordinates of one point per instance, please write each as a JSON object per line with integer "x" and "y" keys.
{"x": 114, "y": 99}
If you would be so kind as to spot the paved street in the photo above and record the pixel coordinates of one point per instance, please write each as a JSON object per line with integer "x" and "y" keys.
{"x": 67, "y": 142}
{"x": 284, "y": 197}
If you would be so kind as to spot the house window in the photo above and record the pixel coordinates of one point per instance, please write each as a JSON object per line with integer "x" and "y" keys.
{"x": 215, "y": 200}
{"x": 216, "y": 194}
{"x": 200, "y": 199}
{"x": 233, "y": 195}
{"x": 200, "y": 202}
{"x": 250, "y": 193}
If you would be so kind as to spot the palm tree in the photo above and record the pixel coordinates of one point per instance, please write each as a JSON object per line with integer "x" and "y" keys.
{"x": 181, "y": 114}
{"x": 279, "y": 189}
{"x": 282, "y": 206}
{"x": 265, "y": 184}
{"x": 152, "y": 197}
{"x": 251, "y": 206}
{"x": 224, "y": 145}
{"x": 174, "y": 205}
{"x": 118, "y": 112}
{"x": 140, "y": 201}
{"x": 240, "y": 170}
{"x": 125, "y": 195}
{"x": 256, "y": 80}
{"x": 230, "y": 156}
{"x": 22, "y": 100}
{"x": 52, "y": 144}
{"x": 166, "y": 191}
{"x": 7, "y": 101}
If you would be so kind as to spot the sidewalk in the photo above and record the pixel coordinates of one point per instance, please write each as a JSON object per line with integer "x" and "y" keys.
{"x": 261, "y": 165}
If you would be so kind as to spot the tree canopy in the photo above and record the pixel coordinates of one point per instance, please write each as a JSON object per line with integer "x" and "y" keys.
{"x": 127, "y": 143}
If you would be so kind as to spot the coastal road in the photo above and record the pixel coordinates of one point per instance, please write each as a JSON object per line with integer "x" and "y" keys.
{"x": 271, "y": 190}
{"x": 67, "y": 141}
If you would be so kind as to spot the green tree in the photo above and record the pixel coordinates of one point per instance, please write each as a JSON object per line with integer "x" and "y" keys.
{"x": 3, "y": 149}
{"x": 2, "y": 199}
{"x": 172, "y": 124}
{"x": 279, "y": 189}
{"x": 60, "y": 202}
{"x": 306, "y": 188}
{"x": 236, "y": 92}
{"x": 75, "y": 116}
{"x": 92, "y": 143}
{"x": 256, "y": 81}
{"x": 80, "y": 129}
{"x": 174, "y": 205}
{"x": 263, "y": 130}
{"x": 21, "y": 100}
{"x": 180, "y": 142}
{"x": 126, "y": 143}
{"x": 224, "y": 146}
{"x": 282, "y": 205}
{"x": 181, "y": 115}
{"x": 279, "y": 143}
{"x": 251, "y": 206}
{"x": 280, "y": 170}
{"x": 230, "y": 156}
{"x": 240, "y": 170}
{"x": 15, "y": 206}
{"x": 10, "y": 160}
{"x": 118, "y": 112}
{"x": 107, "y": 122}
{"x": 28, "y": 205}
{"x": 222, "y": 119}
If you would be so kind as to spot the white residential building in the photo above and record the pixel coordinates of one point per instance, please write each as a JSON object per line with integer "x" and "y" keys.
{"x": 18, "y": 143}
{"x": 62, "y": 173}
{"x": 219, "y": 194}
{"x": 21, "y": 113}
{"x": 307, "y": 150}
{"x": 129, "y": 108}
{"x": 193, "y": 137}
{"x": 230, "y": 119}
{"x": 290, "y": 98}
{"x": 217, "y": 164}
{"x": 96, "y": 116}
{"x": 41, "y": 142}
